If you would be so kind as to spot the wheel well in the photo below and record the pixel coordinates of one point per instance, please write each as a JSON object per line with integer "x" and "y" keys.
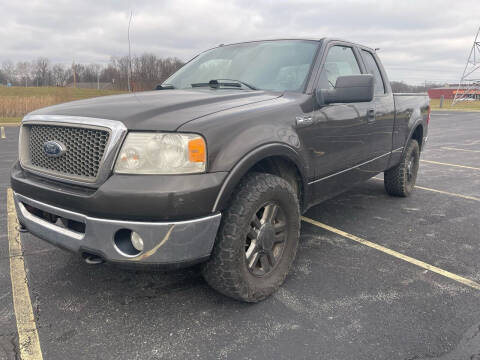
{"x": 284, "y": 168}
{"x": 418, "y": 135}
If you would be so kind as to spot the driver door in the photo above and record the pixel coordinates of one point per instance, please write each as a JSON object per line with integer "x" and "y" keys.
{"x": 339, "y": 139}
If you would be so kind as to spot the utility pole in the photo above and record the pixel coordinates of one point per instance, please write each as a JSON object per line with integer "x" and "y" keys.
{"x": 129, "y": 71}
{"x": 74, "y": 75}
{"x": 97, "y": 67}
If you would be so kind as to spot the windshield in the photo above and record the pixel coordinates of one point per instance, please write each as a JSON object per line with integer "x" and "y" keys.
{"x": 281, "y": 65}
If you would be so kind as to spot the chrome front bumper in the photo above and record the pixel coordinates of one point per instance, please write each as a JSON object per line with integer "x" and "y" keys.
{"x": 166, "y": 243}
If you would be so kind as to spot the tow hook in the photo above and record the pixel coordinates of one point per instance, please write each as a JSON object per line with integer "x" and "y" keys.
{"x": 93, "y": 259}
{"x": 22, "y": 228}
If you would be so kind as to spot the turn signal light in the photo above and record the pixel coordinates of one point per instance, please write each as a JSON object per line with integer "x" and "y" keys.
{"x": 196, "y": 150}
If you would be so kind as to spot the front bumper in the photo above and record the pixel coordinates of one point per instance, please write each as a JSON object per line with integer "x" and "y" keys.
{"x": 166, "y": 243}
{"x": 127, "y": 197}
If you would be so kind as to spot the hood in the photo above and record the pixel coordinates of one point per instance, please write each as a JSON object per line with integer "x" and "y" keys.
{"x": 159, "y": 110}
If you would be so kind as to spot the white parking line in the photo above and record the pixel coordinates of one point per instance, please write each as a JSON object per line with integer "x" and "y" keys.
{"x": 395, "y": 254}
{"x": 468, "y": 197}
{"x": 448, "y": 193}
{"x": 448, "y": 164}
{"x": 452, "y": 148}
{"x": 2, "y": 132}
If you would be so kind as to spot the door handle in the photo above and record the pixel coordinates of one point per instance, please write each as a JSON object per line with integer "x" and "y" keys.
{"x": 371, "y": 115}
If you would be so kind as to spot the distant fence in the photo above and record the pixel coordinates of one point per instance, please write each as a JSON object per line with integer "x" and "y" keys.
{"x": 92, "y": 85}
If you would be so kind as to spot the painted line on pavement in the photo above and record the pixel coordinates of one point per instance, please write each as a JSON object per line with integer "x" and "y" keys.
{"x": 395, "y": 254}
{"x": 2, "y": 132}
{"x": 456, "y": 149}
{"x": 448, "y": 193}
{"x": 441, "y": 192}
{"x": 448, "y": 164}
{"x": 29, "y": 342}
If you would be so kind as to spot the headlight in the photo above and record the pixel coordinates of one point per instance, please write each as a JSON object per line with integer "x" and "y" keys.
{"x": 162, "y": 153}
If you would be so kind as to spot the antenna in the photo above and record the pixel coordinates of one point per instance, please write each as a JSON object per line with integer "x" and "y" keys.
{"x": 129, "y": 71}
{"x": 469, "y": 85}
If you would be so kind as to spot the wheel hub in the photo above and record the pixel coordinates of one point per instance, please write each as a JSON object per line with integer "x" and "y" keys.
{"x": 265, "y": 239}
{"x": 266, "y": 236}
{"x": 410, "y": 169}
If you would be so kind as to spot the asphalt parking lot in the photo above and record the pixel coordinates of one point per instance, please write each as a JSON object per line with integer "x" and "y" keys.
{"x": 344, "y": 299}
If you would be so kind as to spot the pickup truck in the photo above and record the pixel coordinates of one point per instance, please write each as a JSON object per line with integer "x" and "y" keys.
{"x": 217, "y": 165}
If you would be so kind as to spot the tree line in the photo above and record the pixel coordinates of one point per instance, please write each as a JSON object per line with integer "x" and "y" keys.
{"x": 401, "y": 87}
{"x": 143, "y": 72}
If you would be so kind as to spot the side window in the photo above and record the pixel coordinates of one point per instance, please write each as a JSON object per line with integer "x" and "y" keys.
{"x": 372, "y": 68}
{"x": 340, "y": 61}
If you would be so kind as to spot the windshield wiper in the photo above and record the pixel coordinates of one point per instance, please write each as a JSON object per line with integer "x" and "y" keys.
{"x": 216, "y": 83}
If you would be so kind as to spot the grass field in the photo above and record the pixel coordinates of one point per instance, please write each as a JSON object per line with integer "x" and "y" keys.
{"x": 16, "y": 102}
{"x": 461, "y": 106}
{"x": 10, "y": 120}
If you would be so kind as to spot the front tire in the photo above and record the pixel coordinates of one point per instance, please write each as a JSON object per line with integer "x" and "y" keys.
{"x": 257, "y": 239}
{"x": 400, "y": 180}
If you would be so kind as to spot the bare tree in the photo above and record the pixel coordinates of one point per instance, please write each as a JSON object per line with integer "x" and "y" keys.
{"x": 8, "y": 70}
{"x": 77, "y": 72}
{"x": 23, "y": 70}
{"x": 59, "y": 75}
{"x": 3, "y": 78}
{"x": 42, "y": 71}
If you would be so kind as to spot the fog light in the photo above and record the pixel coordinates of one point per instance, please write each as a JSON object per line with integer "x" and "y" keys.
{"x": 137, "y": 241}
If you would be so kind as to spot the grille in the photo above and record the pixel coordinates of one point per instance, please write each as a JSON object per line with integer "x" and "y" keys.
{"x": 84, "y": 150}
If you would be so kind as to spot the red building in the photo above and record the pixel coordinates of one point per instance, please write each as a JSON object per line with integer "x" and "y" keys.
{"x": 449, "y": 92}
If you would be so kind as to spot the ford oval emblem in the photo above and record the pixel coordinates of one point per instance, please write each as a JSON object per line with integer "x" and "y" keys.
{"x": 54, "y": 148}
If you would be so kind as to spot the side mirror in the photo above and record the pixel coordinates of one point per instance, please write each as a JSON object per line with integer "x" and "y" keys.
{"x": 164, "y": 87}
{"x": 348, "y": 89}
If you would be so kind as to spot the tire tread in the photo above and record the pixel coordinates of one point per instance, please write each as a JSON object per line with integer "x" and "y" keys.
{"x": 222, "y": 271}
{"x": 395, "y": 179}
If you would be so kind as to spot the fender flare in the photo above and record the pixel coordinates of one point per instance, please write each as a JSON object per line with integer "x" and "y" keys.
{"x": 418, "y": 122}
{"x": 252, "y": 158}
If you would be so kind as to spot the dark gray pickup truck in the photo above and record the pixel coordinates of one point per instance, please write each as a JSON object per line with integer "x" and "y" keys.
{"x": 217, "y": 165}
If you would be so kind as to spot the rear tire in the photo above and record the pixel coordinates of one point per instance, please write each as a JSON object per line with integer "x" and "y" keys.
{"x": 257, "y": 239}
{"x": 400, "y": 180}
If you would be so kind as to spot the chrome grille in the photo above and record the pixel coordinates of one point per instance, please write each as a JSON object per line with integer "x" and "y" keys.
{"x": 85, "y": 148}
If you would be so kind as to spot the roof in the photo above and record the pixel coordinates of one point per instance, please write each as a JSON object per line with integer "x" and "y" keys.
{"x": 326, "y": 39}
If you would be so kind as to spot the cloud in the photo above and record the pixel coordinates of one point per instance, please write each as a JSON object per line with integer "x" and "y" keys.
{"x": 419, "y": 40}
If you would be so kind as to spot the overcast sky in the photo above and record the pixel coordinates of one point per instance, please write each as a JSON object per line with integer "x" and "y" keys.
{"x": 419, "y": 39}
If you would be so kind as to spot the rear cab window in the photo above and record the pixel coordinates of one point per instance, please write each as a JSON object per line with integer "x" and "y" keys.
{"x": 372, "y": 68}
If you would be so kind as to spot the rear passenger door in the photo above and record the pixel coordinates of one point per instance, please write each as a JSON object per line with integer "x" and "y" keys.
{"x": 381, "y": 112}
